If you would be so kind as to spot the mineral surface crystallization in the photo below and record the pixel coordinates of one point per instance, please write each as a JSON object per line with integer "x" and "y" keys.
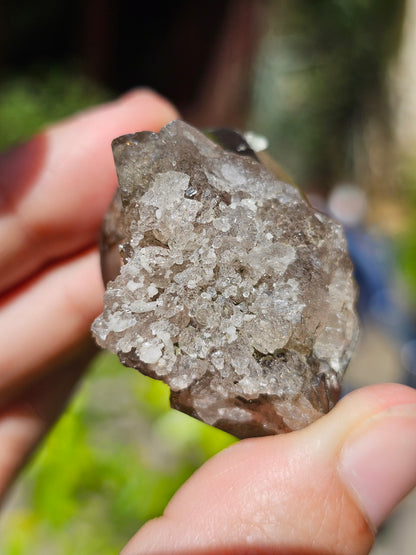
{"x": 232, "y": 289}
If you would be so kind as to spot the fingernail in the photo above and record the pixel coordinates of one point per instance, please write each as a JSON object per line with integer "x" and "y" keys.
{"x": 378, "y": 461}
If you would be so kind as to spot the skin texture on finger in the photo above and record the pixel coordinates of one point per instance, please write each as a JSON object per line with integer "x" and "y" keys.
{"x": 275, "y": 495}
{"x": 55, "y": 190}
{"x": 47, "y": 317}
{"x": 25, "y": 421}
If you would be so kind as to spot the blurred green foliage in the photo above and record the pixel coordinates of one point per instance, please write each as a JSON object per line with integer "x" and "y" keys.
{"x": 406, "y": 246}
{"x": 406, "y": 242}
{"x": 112, "y": 462}
{"x": 29, "y": 102}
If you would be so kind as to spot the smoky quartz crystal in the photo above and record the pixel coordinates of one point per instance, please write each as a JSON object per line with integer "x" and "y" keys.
{"x": 225, "y": 283}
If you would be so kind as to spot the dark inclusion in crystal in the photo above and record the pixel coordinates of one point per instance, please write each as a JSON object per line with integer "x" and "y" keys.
{"x": 224, "y": 283}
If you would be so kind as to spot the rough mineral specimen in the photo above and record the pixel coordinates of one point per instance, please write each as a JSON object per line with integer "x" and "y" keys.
{"x": 233, "y": 289}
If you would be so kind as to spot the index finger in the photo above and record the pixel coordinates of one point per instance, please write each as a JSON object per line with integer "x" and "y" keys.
{"x": 55, "y": 189}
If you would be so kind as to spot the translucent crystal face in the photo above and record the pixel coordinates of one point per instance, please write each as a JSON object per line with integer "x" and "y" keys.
{"x": 232, "y": 289}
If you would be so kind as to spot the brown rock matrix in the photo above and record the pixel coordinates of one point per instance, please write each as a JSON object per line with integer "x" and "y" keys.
{"x": 233, "y": 290}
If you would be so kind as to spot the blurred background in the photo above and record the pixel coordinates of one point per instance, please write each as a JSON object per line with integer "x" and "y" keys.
{"x": 332, "y": 85}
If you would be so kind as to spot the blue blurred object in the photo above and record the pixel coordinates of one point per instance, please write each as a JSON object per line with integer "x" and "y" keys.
{"x": 381, "y": 300}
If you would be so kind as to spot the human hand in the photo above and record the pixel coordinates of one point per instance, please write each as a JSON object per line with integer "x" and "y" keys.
{"x": 54, "y": 191}
{"x": 323, "y": 490}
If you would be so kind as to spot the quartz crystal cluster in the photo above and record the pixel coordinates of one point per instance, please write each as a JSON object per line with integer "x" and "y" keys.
{"x": 224, "y": 283}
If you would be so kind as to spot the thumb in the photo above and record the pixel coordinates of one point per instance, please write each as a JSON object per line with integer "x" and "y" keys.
{"x": 322, "y": 490}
